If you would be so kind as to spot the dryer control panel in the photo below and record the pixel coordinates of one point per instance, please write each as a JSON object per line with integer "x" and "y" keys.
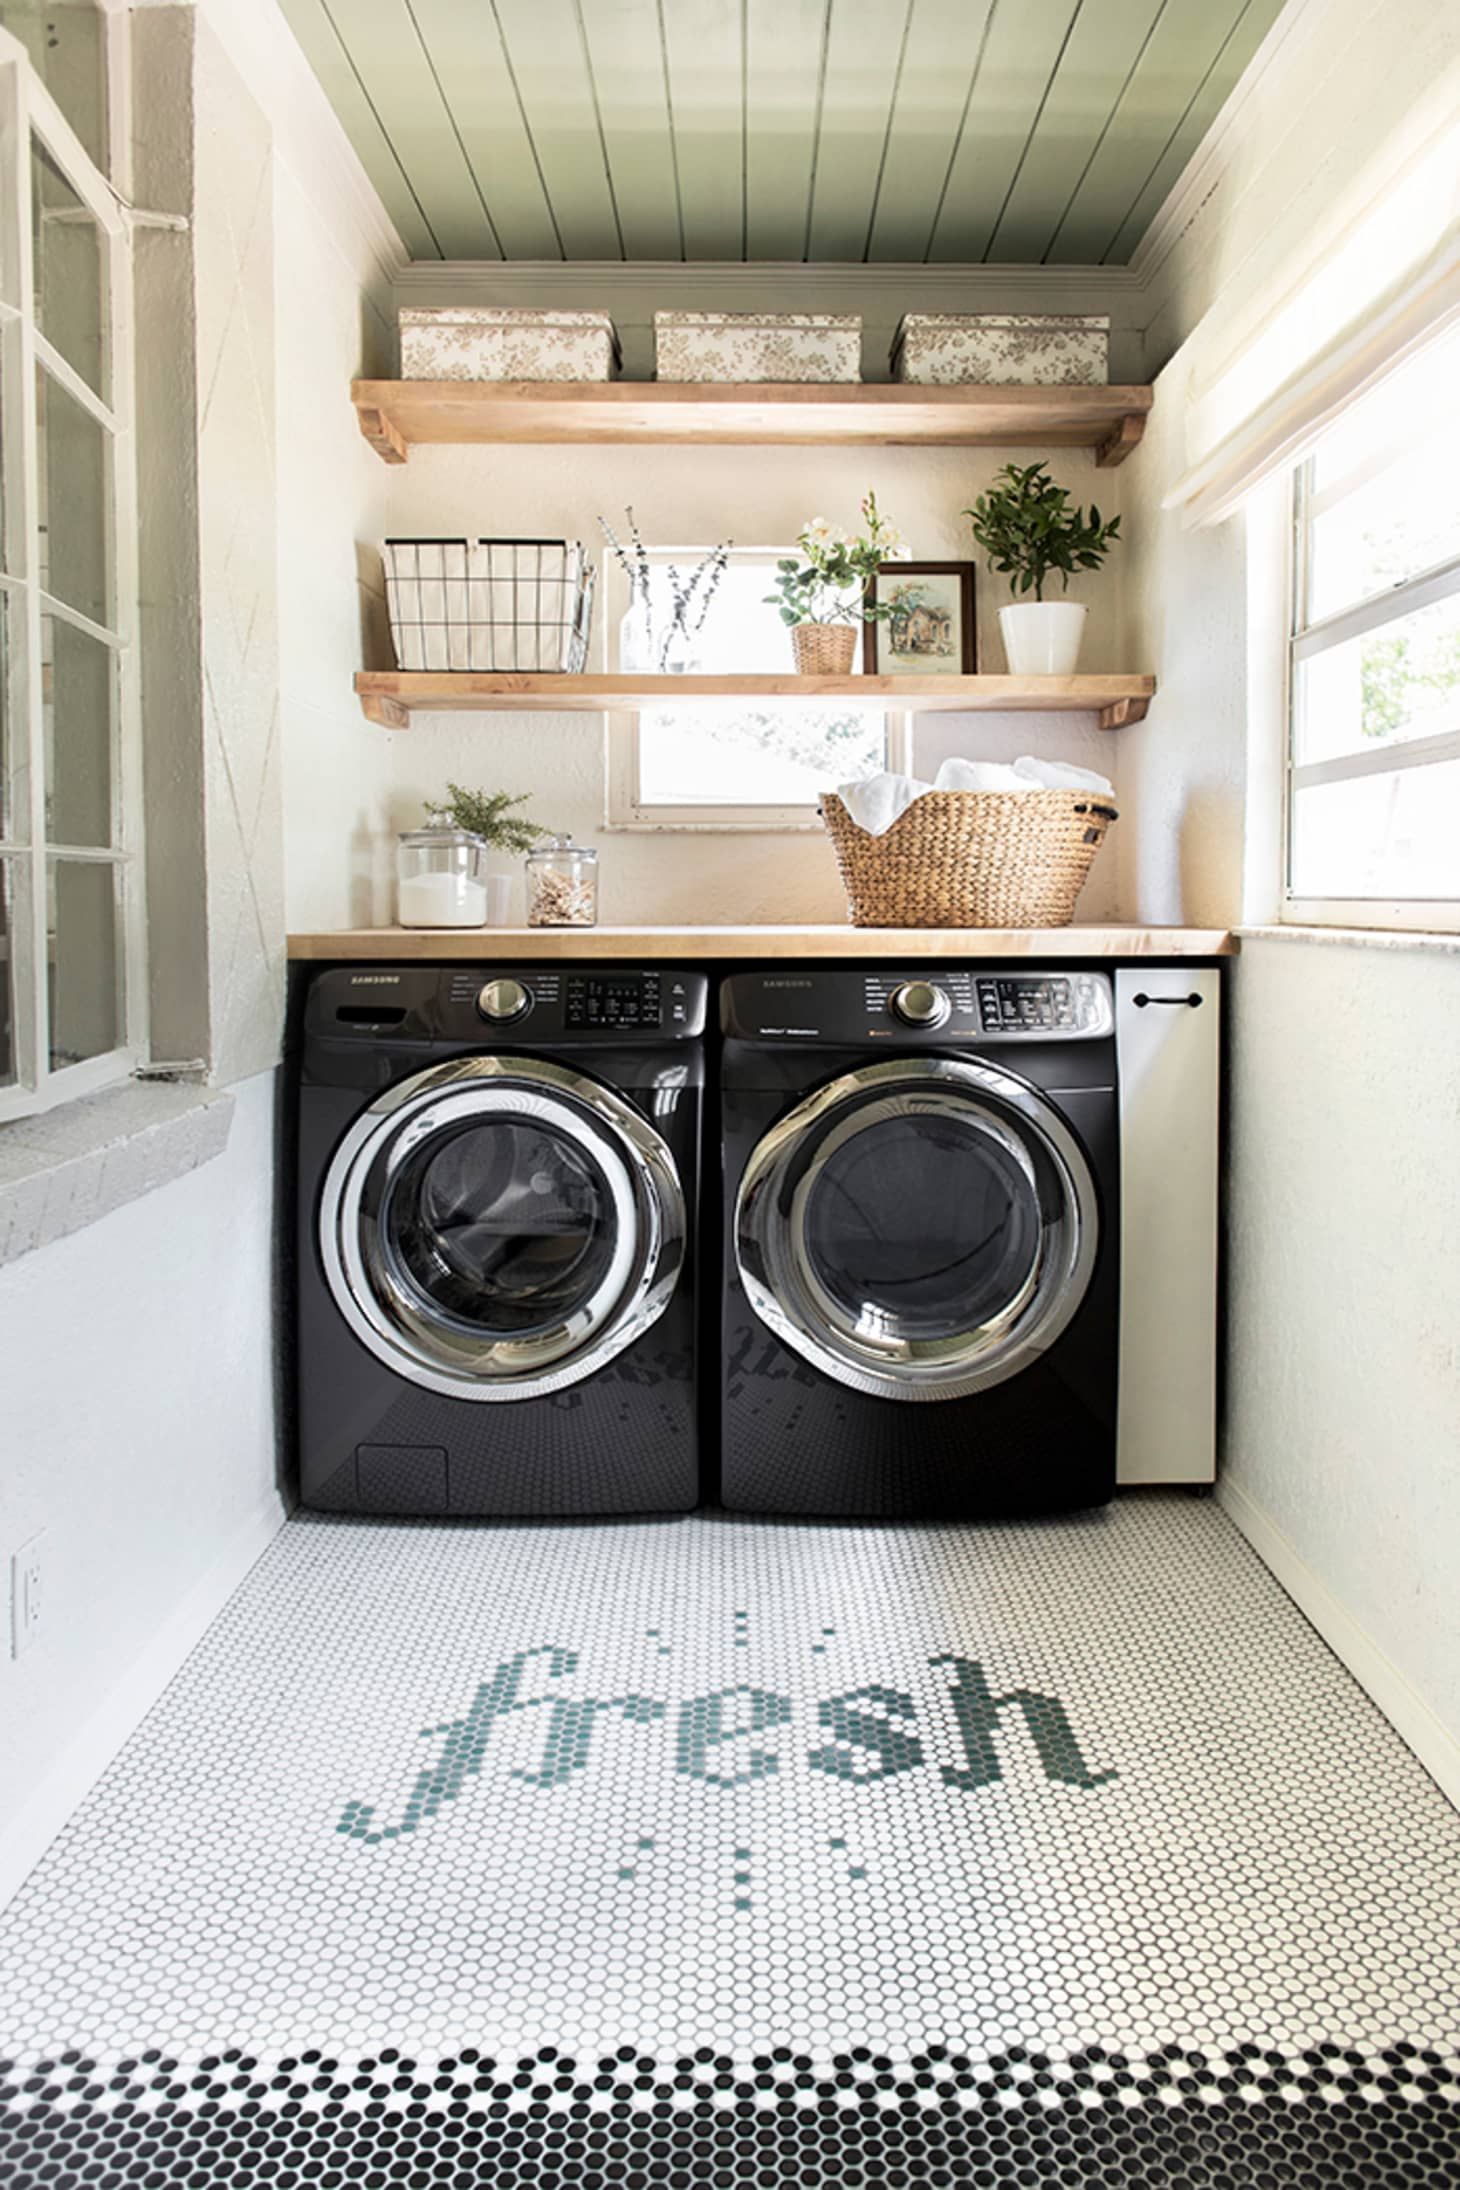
{"x": 949, "y": 1006}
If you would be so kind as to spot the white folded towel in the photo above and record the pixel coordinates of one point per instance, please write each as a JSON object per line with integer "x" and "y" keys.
{"x": 1055, "y": 775}
{"x": 875, "y": 803}
{"x": 978, "y": 775}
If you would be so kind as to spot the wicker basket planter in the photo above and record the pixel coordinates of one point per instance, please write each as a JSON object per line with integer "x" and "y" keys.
{"x": 970, "y": 859}
{"x": 823, "y": 650}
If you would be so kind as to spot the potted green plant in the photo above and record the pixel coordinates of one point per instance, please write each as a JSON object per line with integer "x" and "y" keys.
{"x": 1029, "y": 529}
{"x": 822, "y": 594}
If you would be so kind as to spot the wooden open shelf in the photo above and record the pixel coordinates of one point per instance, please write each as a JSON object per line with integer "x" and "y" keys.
{"x": 391, "y": 696}
{"x": 395, "y": 413}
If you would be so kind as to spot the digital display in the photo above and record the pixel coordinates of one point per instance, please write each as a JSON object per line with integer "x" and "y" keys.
{"x": 612, "y": 1000}
{"x": 1046, "y": 1001}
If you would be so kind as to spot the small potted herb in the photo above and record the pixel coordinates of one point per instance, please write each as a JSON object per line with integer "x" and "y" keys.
{"x": 488, "y": 815}
{"x": 822, "y": 593}
{"x": 1030, "y": 530}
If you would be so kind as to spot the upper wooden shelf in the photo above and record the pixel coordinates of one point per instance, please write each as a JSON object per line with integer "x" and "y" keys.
{"x": 390, "y": 696}
{"x": 395, "y": 413}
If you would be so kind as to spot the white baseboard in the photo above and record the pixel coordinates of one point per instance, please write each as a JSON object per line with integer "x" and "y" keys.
{"x": 126, "y": 1703}
{"x": 1431, "y": 1740}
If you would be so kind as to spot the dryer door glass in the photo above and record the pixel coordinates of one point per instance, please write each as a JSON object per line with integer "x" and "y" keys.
{"x": 919, "y": 1229}
{"x": 497, "y": 1228}
{"x": 920, "y": 1226}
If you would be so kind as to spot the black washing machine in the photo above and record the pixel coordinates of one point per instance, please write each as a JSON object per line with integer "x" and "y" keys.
{"x": 497, "y": 1177}
{"x": 921, "y": 1242}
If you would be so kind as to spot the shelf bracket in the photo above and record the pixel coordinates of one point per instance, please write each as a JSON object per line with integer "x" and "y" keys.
{"x": 1121, "y": 713}
{"x": 1116, "y": 447}
{"x": 389, "y": 444}
{"x": 381, "y": 708}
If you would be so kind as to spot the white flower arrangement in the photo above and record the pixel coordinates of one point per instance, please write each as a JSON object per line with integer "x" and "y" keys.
{"x": 831, "y": 580}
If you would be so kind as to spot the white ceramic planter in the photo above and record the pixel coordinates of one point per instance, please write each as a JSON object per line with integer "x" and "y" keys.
{"x": 1042, "y": 638}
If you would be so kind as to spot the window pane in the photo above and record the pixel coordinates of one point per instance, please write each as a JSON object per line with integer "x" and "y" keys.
{"x": 78, "y": 683}
{"x": 7, "y": 972}
{"x": 64, "y": 39}
{"x": 1386, "y": 485}
{"x": 13, "y": 818}
{"x": 1398, "y": 682}
{"x": 741, "y": 631}
{"x": 66, "y": 244}
{"x": 85, "y": 969}
{"x": 1395, "y": 835}
{"x": 743, "y": 756}
{"x": 73, "y": 486}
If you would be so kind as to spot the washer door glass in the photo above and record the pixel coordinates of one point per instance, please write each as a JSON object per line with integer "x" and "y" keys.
{"x": 500, "y": 1227}
{"x": 919, "y": 1229}
{"x": 505, "y": 1228}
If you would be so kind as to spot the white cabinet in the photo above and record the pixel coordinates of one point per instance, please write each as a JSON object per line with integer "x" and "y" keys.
{"x": 1168, "y": 1029}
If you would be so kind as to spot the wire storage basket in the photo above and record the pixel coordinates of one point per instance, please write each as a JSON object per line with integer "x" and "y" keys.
{"x": 489, "y": 604}
{"x": 970, "y": 859}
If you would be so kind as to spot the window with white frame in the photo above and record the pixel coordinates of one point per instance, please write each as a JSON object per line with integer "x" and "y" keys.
{"x": 755, "y": 764}
{"x": 72, "y": 993}
{"x": 1373, "y": 813}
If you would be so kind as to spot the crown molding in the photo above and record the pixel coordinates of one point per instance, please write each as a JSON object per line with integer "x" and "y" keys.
{"x": 879, "y": 290}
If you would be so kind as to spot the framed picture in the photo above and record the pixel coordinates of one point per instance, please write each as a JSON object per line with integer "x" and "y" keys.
{"x": 930, "y": 630}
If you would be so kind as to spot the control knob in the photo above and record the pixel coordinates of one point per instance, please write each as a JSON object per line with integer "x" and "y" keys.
{"x": 920, "y": 1004}
{"x": 502, "y": 1001}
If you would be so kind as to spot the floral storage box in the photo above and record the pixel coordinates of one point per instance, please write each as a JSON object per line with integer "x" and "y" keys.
{"x": 993, "y": 349}
{"x": 490, "y": 342}
{"x": 756, "y": 346}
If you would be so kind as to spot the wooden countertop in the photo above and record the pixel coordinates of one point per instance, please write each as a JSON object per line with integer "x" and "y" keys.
{"x": 649, "y": 945}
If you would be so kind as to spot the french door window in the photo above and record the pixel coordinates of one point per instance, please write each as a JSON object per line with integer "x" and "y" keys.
{"x": 72, "y": 992}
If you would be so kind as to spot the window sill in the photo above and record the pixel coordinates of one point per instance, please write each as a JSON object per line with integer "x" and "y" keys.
{"x": 63, "y": 1170}
{"x": 1374, "y": 939}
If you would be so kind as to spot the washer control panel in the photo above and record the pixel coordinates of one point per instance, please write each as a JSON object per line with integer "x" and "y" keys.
{"x": 612, "y": 1000}
{"x": 522, "y": 1005}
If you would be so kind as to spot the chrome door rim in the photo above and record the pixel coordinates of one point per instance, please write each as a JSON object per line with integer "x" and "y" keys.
{"x": 648, "y": 1216}
{"x": 784, "y": 1292}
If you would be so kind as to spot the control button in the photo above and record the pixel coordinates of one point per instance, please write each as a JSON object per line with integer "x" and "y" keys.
{"x": 920, "y": 1004}
{"x": 502, "y": 1001}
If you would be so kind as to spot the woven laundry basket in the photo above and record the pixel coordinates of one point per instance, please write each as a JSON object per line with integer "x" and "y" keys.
{"x": 970, "y": 859}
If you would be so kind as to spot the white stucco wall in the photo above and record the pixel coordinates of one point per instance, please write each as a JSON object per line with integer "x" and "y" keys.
{"x": 140, "y": 1353}
{"x": 139, "y": 1428}
{"x": 328, "y": 317}
{"x": 1342, "y": 1438}
{"x": 1343, "y": 1406}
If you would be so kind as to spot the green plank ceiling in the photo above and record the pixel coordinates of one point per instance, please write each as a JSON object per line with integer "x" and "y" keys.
{"x": 1015, "y": 132}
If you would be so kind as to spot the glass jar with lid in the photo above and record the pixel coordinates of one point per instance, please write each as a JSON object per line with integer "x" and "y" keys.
{"x": 562, "y": 884}
{"x": 441, "y": 879}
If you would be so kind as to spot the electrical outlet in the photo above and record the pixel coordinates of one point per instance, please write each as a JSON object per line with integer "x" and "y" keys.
{"x": 27, "y": 1595}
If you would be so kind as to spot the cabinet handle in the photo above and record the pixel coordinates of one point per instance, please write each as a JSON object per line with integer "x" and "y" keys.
{"x": 1142, "y": 1000}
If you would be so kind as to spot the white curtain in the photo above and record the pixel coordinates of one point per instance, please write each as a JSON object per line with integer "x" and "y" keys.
{"x": 1387, "y": 284}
